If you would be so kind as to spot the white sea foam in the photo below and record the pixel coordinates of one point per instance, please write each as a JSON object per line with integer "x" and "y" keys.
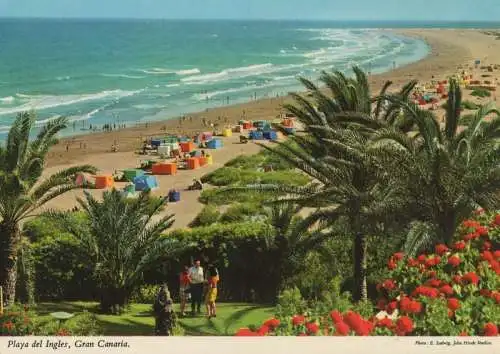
{"x": 8, "y": 99}
{"x": 149, "y": 106}
{"x": 161, "y": 71}
{"x": 124, "y": 76}
{"x": 41, "y": 102}
{"x": 63, "y": 78}
{"x": 233, "y": 73}
{"x": 172, "y": 85}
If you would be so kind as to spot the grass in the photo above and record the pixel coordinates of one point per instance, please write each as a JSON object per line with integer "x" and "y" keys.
{"x": 226, "y": 176}
{"x": 139, "y": 321}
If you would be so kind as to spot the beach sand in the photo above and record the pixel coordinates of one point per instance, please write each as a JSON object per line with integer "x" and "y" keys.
{"x": 450, "y": 49}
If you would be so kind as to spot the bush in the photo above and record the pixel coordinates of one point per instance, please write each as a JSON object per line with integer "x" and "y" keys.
{"x": 242, "y": 212}
{"x": 83, "y": 324}
{"x": 146, "y": 294}
{"x": 17, "y": 320}
{"x": 208, "y": 216}
{"x": 470, "y": 105}
{"x": 218, "y": 197}
{"x": 227, "y": 176}
{"x": 481, "y": 93}
{"x": 62, "y": 269}
{"x": 446, "y": 293}
{"x": 290, "y": 302}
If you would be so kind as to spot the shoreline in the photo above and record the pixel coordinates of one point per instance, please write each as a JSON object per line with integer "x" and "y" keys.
{"x": 450, "y": 49}
{"x": 262, "y": 108}
{"x": 128, "y": 138}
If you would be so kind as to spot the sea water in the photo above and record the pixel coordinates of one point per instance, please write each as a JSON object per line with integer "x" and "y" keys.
{"x": 128, "y": 71}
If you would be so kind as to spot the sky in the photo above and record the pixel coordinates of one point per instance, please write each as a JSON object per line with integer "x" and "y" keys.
{"x": 421, "y": 10}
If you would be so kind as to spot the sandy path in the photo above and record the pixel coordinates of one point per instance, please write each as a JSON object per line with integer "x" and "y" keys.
{"x": 450, "y": 50}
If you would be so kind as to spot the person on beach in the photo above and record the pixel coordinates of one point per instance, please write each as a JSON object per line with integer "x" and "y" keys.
{"x": 184, "y": 289}
{"x": 211, "y": 296}
{"x": 164, "y": 314}
{"x": 197, "y": 280}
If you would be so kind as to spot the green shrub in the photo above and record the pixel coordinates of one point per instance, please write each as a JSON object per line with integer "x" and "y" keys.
{"x": 218, "y": 197}
{"x": 290, "y": 302}
{"x": 481, "y": 93}
{"x": 470, "y": 105}
{"x": 242, "y": 212}
{"x": 146, "y": 294}
{"x": 226, "y": 176}
{"x": 152, "y": 200}
{"x": 62, "y": 269}
{"x": 209, "y": 215}
{"x": 82, "y": 324}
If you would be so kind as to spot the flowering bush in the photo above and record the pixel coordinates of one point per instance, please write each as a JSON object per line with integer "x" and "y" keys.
{"x": 453, "y": 291}
{"x": 17, "y": 321}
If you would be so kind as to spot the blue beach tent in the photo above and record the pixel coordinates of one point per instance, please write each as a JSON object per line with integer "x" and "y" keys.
{"x": 145, "y": 183}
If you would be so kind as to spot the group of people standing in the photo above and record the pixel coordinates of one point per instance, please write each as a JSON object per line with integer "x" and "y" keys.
{"x": 193, "y": 284}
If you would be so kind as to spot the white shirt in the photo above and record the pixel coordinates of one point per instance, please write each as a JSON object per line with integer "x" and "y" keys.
{"x": 196, "y": 275}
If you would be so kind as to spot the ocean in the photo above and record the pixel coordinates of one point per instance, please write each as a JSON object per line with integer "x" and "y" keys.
{"x": 129, "y": 71}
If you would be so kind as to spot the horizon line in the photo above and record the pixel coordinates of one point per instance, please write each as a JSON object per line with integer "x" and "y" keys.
{"x": 244, "y": 19}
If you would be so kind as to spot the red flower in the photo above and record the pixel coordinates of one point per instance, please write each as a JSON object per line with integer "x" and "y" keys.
{"x": 496, "y": 296}
{"x": 336, "y": 316}
{"x": 404, "y": 325}
{"x": 342, "y": 329}
{"x": 412, "y": 262}
{"x": 302, "y": 335}
{"x": 457, "y": 279}
{"x": 297, "y": 320}
{"x": 393, "y": 305}
{"x": 385, "y": 322}
{"x": 422, "y": 258}
{"x": 487, "y": 246}
{"x": 471, "y": 278}
{"x": 487, "y": 256}
{"x": 391, "y": 264}
{"x": 433, "y": 261}
{"x": 245, "y": 332}
{"x": 453, "y": 304}
{"x": 463, "y": 334}
{"x": 441, "y": 249}
{"x": 497, "y": 220}
{"x": 446, "y": 290}
{"x": 454, "y": 261}
{"x": 434, "y": 282}
{"x": 458, "y": 246}
{"x": 8, "y": 325}
{"x": 496, "y": 254}
{"x": 482, "y": 231}
{"x": 312, "y": 327}
{"x": 272, "y": 323}
{"x": 490, "y": 330}
{"x": 263, "y": 330}
{"x": 426, "y": 291}
{"x": 389, "y": 284}
{"x": 415, "y": 307}
{"x": 398, "y": 256}
{"x": 431, "y": 273}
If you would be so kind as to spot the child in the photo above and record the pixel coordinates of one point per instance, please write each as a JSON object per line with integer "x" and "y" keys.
{"x": 213, "y": 279}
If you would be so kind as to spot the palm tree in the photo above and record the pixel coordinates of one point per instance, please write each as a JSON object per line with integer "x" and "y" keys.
{"x": 23, "y": 190}
{"x": 290, "y": 239}
{"x": 349, "y": 180}
{"x": 449, "y": 172}
{"x": 122, "y": 240}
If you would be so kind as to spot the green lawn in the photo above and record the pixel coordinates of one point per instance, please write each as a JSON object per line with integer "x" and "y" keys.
{"x": 140, "y": 322}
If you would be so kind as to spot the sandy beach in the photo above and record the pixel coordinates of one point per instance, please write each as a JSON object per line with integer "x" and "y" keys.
{"x": 451, "y": 51}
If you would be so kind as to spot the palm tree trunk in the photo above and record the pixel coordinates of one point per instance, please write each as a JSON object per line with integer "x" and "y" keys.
{"x": 9, "y": 240}
{"x": 360, "y": 284}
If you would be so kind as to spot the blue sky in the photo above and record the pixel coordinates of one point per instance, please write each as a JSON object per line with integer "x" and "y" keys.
{"x": 486, "y": 10}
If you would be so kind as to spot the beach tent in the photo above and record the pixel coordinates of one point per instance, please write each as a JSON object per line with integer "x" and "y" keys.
{"x": 132, "y": 173}
{"x": 270, "y": 135}
{"x": 214, "y": 144}
{"x": 164, "y": 150}
{"x": 155, "y": 143}
{"x": 81, "y": 180}
{"x": 256, "y": 135}
{"x": 145, "y": 183}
